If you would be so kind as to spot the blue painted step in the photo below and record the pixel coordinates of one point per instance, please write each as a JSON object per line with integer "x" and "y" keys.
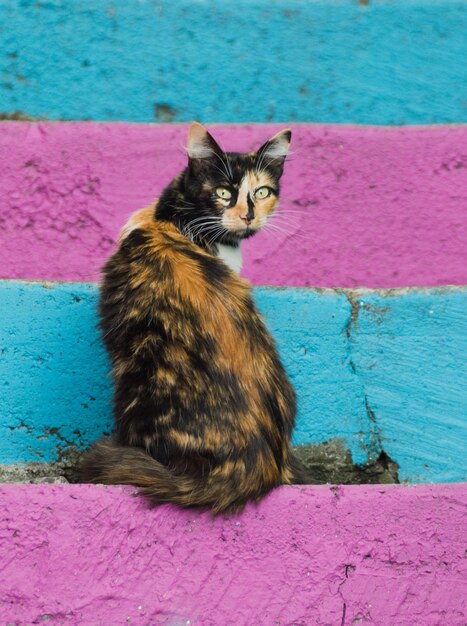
{"x": 375, "y": 369}
{"x": 376, "y": 62}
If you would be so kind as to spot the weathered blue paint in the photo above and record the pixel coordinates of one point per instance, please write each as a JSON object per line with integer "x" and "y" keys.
{"x": 410, "y": 353}
{"x": 382, "y": 62}
{"x": 55, "y": 390}
{"x": 378, "y": 371}
{"x": 310, "y": 330}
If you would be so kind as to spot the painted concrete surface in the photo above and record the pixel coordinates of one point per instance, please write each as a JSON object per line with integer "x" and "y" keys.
{"x": 353, "y": 61}
{"x": 411, "y": 354}
{"x": 56, "y": 391}
{"x": 380, "y": 371}
{"x": 82, "y": 554}
{"x": 376, "y": 207}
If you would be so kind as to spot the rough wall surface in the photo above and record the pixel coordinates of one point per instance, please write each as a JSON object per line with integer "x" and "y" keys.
{"x": 351, "y": 357}
{"x": 361, "y": 206}
{"x": 334, "y": 556}
{"x": 353, "y": 61}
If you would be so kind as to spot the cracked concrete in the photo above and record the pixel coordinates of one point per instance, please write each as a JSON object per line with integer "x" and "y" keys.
{"x": 18, "y": 116}
{"x": 372, "y": 430}
{"x": 332, "y": 463}
{"x": 63, "y": 471}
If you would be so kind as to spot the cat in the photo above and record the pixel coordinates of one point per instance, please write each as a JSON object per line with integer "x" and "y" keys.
{"x": 203, "y": 407}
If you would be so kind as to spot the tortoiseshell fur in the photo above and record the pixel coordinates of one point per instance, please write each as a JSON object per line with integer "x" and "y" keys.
{"x": 203, "y": 407}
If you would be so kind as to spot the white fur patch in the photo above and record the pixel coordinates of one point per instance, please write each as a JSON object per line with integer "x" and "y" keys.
{"x": 199, "y": 150}
{"x": 231, "y": 256}
{"x": 280, "y": 148}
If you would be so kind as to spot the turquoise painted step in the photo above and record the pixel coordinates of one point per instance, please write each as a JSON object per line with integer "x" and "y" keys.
{"x": 376, "y": 369}
{"x": 376, "y": 62}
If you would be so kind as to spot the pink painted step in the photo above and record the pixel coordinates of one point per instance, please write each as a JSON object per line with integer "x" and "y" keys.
{"x": 82, "y": 554}
{"x": 379, "y": 207}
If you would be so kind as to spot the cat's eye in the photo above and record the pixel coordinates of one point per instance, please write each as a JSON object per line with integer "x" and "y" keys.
{"x": 223, "y": 193}
{"x": 262, "y": 192}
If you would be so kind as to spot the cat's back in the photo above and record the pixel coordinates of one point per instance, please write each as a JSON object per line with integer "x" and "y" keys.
{"x": 152, "y": 250}
{"x": 158, "y": 272}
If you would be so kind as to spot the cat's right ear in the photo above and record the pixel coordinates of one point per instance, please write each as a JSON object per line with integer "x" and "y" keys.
{"x": 200, "y": 144}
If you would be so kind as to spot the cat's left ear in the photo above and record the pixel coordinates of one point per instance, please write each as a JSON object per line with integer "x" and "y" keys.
{"x": 274, "y": 151}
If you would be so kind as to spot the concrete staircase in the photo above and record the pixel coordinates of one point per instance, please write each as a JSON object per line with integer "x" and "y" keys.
{"x": 363, "y": 293}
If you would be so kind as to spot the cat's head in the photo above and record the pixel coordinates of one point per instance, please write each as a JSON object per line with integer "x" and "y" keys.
{"x": 236, "y": 193}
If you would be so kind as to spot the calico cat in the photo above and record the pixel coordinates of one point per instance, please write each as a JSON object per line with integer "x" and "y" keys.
{"x": 203, "y": 407}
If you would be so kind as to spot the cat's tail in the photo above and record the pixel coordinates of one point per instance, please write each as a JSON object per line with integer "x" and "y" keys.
{"x": 220, "y": 490}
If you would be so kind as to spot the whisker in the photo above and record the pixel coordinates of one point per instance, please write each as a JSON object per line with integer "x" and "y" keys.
{"x": 288, "y": 225}
{"x": 285, "y": 219}
{"x": 227, "y": 161}
{"x": 227, "y": 171}
{"x": 217, "y": 231}
{"x": 287, "y": 234}
{"x": 195, "y": 228}
{"x": 278, "y": 229}
{"x": 201, "y": 223}
{"x": 283, "y": 210}
{"x": 276, "y": 236}
{"x": 259, "y": 169}
{"x": 205, "y": 218}
{"x": 277, "y": 216}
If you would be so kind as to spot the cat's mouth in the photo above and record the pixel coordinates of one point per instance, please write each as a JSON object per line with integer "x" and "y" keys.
{"x": 241, "y": 232}
{"x": 239, "y": 229}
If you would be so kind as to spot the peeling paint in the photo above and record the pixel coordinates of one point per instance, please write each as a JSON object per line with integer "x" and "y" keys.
{"x": 371, "y": 433}
{"x": 18, "y": 116}
{"x": 331, "y": 462}
{"x": 326, "y": 463}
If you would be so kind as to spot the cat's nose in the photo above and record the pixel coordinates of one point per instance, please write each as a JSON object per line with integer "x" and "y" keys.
{"x": 246, "y": 219}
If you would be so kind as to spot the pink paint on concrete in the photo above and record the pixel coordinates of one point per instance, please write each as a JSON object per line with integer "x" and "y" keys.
{"x": 379, "y": 207}
{"x": 336, "y": 556}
